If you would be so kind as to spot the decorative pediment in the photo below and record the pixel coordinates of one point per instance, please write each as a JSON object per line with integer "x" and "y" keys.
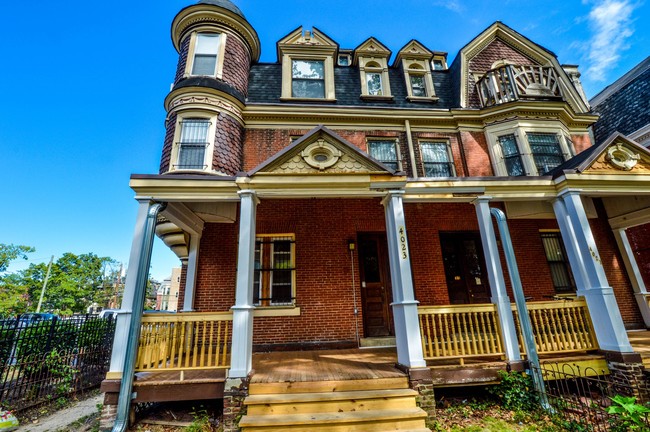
{"x": 301, "y": 40}
{"x": 618, "y": 155}
{"x": 413, "y": 50}
{"x": 371, "y": 48}
{"x": 321, "y": 151}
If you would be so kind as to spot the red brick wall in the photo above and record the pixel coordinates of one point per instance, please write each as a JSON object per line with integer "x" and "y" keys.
{"x": 324, "y": 281}
{"x": 477, "y": 154}
{"x": 182, "y": 59}
{"x": 181, "y": 287}
{"x": 581, "y": 142}
{"x": 482, "y": 62}
{"x": 639, "y": 238}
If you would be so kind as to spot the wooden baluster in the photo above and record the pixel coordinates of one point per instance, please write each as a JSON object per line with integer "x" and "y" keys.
{"x": 487, "y": 337}
{"x": 494, "y": 329}
{"x": 423, "y": 334}
{"x": 195, "y": 339}
{"x": 444, "y": 331}
{"x": 226, "y": 344}
{"x": 561, "y": 325}
{"x": 543, "y": 328}
{"x": 436, "y": 339}
{"x": 218, "y": 343}
{"x": 571, "y": 334}
{"x": 458, "y": 348}
{"x": 181, "y": 344}
{"x": 210, "y": 344}
{"x": 474, "y": 331}
{"x": 536, "y": 330}
{"x": 203, "y": 344}
{"x": 478, "y": 339}
{"x": 172, "y": 355}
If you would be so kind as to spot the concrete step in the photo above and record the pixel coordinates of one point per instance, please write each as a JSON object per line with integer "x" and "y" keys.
{"x": 375, "y": 342}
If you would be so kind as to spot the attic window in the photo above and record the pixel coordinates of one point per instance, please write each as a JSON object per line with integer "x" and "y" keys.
{"x": 344, "y": 60}
{"x": 307, "y": 79}
{"x": 438, "y": 65}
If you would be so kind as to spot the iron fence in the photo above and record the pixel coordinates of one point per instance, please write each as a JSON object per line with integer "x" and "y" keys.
{"x": 580, "y": 398}
{"x": 46, "y": 360}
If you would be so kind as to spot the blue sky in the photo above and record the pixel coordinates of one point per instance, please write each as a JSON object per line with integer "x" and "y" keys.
{"x": 82, "y": 87}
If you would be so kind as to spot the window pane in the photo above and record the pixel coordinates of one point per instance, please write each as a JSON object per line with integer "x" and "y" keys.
{"x": 194, "y": 140}
{"x": 546, "y": 151}
{"x": 308, "y": 69}
{"x": 511, "y": 156}
{"x": 417, "y": 85}
{"x": 557, "y": 262}
{"x": 385, "y": 152}
{"x": 308, "y": 88}
{"x": 435, "y": 157}
{"x": 204, "y": 64}
{"x": 207, "y": 44}
{"x": 374, "y": 83}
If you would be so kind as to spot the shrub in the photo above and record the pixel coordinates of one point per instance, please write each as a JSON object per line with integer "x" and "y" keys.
{"x": 515, "y": 392}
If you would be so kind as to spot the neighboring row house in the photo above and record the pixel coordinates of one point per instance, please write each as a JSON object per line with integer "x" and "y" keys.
{"x": 340, "y": 198}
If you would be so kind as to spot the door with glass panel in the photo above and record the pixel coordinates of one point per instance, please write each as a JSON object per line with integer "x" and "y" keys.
{"x": 376, "y": 290}
{"x": 464, "y": 263}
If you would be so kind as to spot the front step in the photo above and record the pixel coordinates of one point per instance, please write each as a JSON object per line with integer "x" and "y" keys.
{"x": 376, "y": 342}
{"x": 381, "y": 404}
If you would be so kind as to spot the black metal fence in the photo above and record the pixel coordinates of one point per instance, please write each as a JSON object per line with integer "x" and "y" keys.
{"x": 580, "y": 399}
{"x": 47, "y": 360}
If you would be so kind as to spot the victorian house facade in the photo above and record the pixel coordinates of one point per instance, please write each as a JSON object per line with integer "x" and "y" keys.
{"x": 340, "y": 198}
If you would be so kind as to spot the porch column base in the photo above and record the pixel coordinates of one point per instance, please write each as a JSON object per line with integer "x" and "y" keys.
{"x": 611, "y": 332}
{"x": 242, "y": 343}
{"x": 235, "y": 391}
{"x": 407, "y": 334}
{"x": 627, "y": 374}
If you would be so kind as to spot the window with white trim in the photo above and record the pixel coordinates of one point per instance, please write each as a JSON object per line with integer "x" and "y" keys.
{"x": 308, "y": 79}
{"x": 511, "y": 155}
{"x": 275, "y": 270}
{"x": 206, "y": 51}
{"x": 386, "y": 152}
{"x": 193, "y": 144}
{"x": 437, "y": 159}
{"x": 418, "y": 84}
{"x": 546, "y": 151}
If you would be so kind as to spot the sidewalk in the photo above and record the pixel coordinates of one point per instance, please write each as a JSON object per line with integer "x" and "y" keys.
{"x": 61, "y": 419}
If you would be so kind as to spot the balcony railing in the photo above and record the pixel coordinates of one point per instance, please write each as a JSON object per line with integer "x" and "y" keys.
{"x": 178, "y": 342}
{"x": 472, "y": 331}
{"x": 511, "y": 82}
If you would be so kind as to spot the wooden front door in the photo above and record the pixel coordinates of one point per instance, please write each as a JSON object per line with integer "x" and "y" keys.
{"x": 462, "y": 255}
{"x": 376, "y": 291}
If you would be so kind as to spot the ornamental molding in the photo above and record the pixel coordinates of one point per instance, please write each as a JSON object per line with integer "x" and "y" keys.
{"x": 180, "y": 103}
{"x": 621, "y": 157}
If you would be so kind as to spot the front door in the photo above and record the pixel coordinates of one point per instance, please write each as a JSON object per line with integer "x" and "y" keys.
{"x": 462, "y": 255}
{"x": 376, "y": 291}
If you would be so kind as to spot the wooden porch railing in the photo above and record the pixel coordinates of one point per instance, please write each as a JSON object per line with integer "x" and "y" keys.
{"x": 460, "y": 331}
{"x": 184, "y": 341}
{"x": 560, "y": 326}
{"x": 463, "y": 331}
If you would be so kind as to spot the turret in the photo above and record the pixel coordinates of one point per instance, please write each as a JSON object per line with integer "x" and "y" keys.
{"x": 204, "y": 125}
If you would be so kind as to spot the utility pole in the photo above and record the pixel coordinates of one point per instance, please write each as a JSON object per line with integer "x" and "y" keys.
{"x": 47, "y": 277}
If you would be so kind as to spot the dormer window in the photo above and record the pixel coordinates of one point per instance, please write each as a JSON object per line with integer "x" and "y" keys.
{"x": 418, "y": 86}
{"x": 344, "y": 60}
{"x": 372, "y": 59}
{"x": 438, "y": 64}
{"x": 416, "y": 62}
{"x": 307, "y": 79}
{"x": 373, "y": 81}
{"x": 205, "y": 57}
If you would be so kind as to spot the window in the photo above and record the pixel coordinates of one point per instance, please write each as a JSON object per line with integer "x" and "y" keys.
{"x": 385, "y": 151}
{"x": 307, "y": 79}
{"x": 274, "y": 277}
{"x": 418, "y": 87}
{"x": 436, "y": 159}
{"x": 193, "y": 143}
{"x": 546, "y": 151}
{"x": 557, "y": 262}
{"x": 511, "y": 156}
{"x": 373, "y": 80}
{"x": 372, "y": 58}
{"x": 438, "y": 64}
{"x": 344, "y": 60}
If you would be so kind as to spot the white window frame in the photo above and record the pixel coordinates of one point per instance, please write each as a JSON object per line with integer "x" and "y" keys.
{"x": 395, "y": 142}
{"x": 189, "y": 64}
{"x": 520, "y": 130}
{"x": 368, "y": 65}
{"x": 287, "y": 76}
{"x": 450, "y": 156}
{"x": 209, "y": 150}
{"x": 419, "y": 68}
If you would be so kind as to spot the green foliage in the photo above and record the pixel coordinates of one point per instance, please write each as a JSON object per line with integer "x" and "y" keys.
{"x": 10, "y": 252}
{"x": 201, "y": 422}
{"x": 630, "y": 416}
{"x": 515, "y": 392}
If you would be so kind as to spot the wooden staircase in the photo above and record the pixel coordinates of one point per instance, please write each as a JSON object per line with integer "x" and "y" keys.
{"x": 380, "y": 404}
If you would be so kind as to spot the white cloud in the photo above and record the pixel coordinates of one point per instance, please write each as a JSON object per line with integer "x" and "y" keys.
{"x": 452, "y": 5}
{"x": 610, "y": 22}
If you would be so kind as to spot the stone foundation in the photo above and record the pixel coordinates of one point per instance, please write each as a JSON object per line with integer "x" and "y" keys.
{"x": 421, "y": 381}
{"x": 235, "y": 392}
{"x": 107, "y": 417}
{"x": 627, "y": 374}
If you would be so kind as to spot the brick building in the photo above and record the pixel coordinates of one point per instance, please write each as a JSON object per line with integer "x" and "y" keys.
{"x": 330, "y": 198}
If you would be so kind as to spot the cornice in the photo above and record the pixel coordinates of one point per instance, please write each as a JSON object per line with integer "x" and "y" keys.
{"x": 194, "y": 15}
{"x": 204, "y": 98}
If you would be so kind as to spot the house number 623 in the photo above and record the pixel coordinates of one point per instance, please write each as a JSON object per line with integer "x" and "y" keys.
{"x": 403, "y": 249}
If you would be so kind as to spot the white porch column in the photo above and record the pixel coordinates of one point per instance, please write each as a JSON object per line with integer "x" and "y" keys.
{"x": 190, "y": 276}
{"x": 606, "y": 316}
{"x": 495, "y": 276}
{"x": 241, "y": 357}
{"x": 571, "y": 245}
{"x": 124, "y": 315}
{"x": 640, "y": 290}
{"x": 405, "y": 307}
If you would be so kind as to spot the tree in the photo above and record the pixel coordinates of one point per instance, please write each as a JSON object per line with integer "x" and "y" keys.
{"x": 10, "y": 252}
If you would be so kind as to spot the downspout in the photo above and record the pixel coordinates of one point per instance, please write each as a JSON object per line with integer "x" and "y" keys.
{"x": 520, "y": 300}
{"x": 126, "y": 386}
{"x": 409, "y": 140}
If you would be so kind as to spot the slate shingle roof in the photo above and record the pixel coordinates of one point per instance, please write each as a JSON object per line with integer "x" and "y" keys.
{"x": 265, "y": 86}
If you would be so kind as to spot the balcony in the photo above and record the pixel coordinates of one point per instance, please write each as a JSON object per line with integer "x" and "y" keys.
{"x": 511, "y": 82}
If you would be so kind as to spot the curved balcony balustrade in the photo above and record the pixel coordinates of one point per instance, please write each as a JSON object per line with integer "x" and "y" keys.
{"x": 513, "y": 82}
